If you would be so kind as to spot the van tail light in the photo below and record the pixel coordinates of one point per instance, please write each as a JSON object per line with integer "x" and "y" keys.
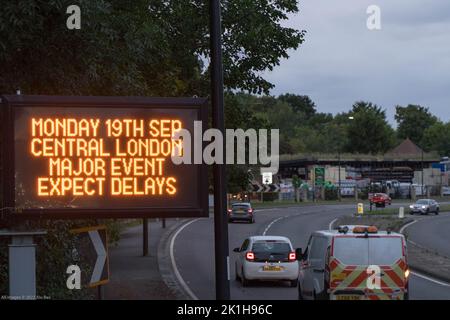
{"x": 407, "y": 274}
{"x": 292, "y": 257}
{"x": 327, "y": 268}
{"x": 250, "y": 256}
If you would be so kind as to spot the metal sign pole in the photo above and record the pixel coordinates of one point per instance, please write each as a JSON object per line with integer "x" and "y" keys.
{"x": 220, "y": 204}
{"x": 100, "y": 293}
{"x": 145, "y": 237}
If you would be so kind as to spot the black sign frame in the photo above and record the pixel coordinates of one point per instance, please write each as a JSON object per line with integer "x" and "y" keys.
{"x": 9, "y": 102}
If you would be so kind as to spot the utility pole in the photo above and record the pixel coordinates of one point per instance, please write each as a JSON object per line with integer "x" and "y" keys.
{"x": 145, "y": 237}
{"x": 422, "y": 173}
{"x": 339, "y": 163}
{"x": 222, "y": 258}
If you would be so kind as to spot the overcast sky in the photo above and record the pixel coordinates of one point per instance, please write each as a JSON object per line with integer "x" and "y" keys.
{"x": 341, "y": 61}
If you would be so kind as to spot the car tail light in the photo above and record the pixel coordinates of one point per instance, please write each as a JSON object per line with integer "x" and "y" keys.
{"x": 292, "y": 257}
{"x": 250, "y": 211}
{"x": 229, "y": 211}
{"x": 250, "y": 256}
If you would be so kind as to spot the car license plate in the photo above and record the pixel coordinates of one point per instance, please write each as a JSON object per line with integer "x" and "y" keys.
{"x": 348, "y": 297}
{"x": 272, "y": 268}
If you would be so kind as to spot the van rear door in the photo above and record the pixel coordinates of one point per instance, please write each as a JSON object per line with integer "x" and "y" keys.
{"x": 348, "y": 263}
{"x": 356, "y": 258}
{"x": 388, "y": 253}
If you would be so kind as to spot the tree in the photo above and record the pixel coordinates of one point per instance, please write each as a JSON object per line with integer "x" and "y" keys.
{"x": 300, "y": 104}
{"x": 296, "y": 183}
{"x": 239, "y": 115}
{"x": 114, "y": 53}
{"x": 412, "y": 121}
{"x": 437, "y": 138}
{"x": 318, "y": 120}
{"x": 369, "y": 132}
{"x": 137, "y": 48}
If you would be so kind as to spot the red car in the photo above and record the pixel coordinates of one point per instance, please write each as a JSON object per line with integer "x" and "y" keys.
{"x": 380, "y": 200}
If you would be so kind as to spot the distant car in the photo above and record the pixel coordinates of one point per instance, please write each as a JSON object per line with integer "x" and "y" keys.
{"x": 241, "y": 211}
{"x": 380, "y": 200}
{"x": 425, "y": 206}
{"x": 266, "y": 258}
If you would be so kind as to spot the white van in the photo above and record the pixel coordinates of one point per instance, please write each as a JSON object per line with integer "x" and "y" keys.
{"x": 354, "y": 263}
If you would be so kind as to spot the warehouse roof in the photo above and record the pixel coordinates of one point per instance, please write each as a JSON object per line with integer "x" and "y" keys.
{"x": 407, "y": 147}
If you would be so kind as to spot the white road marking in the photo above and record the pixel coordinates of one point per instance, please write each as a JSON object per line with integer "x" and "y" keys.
{"x": 228, "y": 268}
{"x": 407, "y": 225}
{"x": 330, "y": 226}
{"x": 431, "y": 279}
{"x": 174, "y": 265}
{"x": 271, "y": 224}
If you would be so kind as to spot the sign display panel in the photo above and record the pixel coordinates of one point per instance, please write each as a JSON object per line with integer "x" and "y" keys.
{"x": 102, "y": 156}
{"x": 319, "y": 176}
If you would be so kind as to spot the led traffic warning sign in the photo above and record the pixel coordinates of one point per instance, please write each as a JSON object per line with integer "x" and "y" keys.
{"x": 100, "y": 157}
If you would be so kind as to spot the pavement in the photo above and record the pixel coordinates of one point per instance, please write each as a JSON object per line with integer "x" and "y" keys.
{"x": 193, "y": 252}
{"x": 132, "y": 276}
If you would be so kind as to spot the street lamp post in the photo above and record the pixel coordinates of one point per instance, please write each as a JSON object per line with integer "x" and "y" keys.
{"x": 339, "y": 165}
{"x": 422, "y": 173}
{"x": 220, "y": 197}
{"x": 339, "y": 170}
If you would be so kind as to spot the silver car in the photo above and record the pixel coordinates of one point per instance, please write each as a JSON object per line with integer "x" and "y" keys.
{"x": 424, "y": 206}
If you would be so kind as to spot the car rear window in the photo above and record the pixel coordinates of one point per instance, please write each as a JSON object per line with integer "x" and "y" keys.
{"x": 240, "y": 206}
{"x": 382, "y": 251}
{"x": 271, "y": 250}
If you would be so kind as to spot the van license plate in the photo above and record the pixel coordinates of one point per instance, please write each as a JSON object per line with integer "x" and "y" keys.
{"x": 348, "y": 297}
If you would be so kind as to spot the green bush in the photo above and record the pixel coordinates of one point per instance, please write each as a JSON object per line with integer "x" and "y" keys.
{"x": 331, "y": 194}
{"x": 270, "y": 196}
{"x": 363, "y": 194}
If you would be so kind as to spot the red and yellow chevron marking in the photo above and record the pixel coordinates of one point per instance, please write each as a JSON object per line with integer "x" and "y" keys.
{"x": 393, "y": 282}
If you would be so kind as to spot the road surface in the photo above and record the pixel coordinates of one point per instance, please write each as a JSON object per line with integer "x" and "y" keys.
{"x": 193, "y": 252}
{"x": 432, "y": 232}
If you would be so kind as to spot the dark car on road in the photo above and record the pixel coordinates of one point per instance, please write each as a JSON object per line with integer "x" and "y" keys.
{"x": 424, "y": 206}
{"x": 241, "y": 211}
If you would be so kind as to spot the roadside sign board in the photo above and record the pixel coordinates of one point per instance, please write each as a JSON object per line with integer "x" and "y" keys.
{"x": 100, "y": 157}
{"x": 91, "y": 255}
{"x": 319, "y": 176}
{"x": 360, "y": 208}
{"x": 266, "y": 177}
